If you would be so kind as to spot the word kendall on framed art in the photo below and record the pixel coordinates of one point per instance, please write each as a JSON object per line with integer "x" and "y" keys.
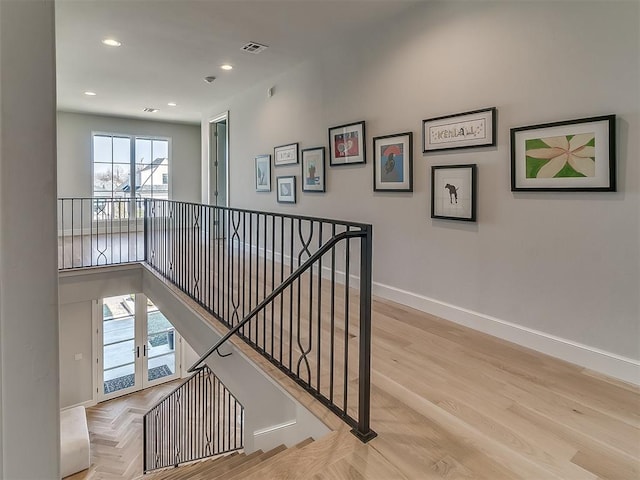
{"x": 285, "y": 154}
{"x": 461, "y": 130}
{"x": 286, "y": 188}
{"x": 263, "y": 173}
{"x": 346, "y": 144}
{"x": 313, "y": 170}
{"x": 393, "y": 163}
{"x": 453, "y": 192}
{"x": 573, "y": 155}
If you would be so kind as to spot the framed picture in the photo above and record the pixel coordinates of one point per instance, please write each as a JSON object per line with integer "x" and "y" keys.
{"x": 393, "y": 163}
{"x": 347, "y": 144}
{"x": 313, "y": 169}
{"x": 574, "y": 155}
{"x": 461, "y": 130}
{"x": 453, "y": 192}
{"x": 285, "y": 154}
{"x": 263, "y": 173}
{"x": 286, "y": 187}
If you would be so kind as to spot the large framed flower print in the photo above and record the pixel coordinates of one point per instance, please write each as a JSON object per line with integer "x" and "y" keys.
{"x": 573, "y": 155}
{"x": 346, "y": 144}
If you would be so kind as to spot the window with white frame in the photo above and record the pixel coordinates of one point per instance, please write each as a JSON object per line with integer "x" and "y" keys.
{"x": 130, "y": 166}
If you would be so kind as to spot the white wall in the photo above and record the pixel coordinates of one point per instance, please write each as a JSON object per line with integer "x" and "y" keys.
{"x": 28, "y": 264}
{"x": 555, "y": 271}
{"x": 74, "y": 152}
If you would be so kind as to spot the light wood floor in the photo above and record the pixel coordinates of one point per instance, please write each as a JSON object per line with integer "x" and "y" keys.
{"x": 447, "y": 402}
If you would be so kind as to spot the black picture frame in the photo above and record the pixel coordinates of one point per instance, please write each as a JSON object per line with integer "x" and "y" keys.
{"x": 389, "y": 174}
{"x": 313, "y": 170}
{"x": 286, "y": 189}
{"x": 477, "y": 128}
{"x": 262, "y": 173}
{"x": 453, "y": 192}
{"x": 285, "y": 155}
{"x": 567, "y": 156}
{"x": 347, "y": 144}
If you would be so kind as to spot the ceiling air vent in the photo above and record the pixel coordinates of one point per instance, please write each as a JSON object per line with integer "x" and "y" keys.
{"x": 255, "y": 48}
{"x": 150, "y": 110}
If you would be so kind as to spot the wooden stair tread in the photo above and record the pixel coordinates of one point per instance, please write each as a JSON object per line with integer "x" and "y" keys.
{"x": 303, "y": 443}
{"x": 187, "y": 470}
{"x": 304, "y": 462}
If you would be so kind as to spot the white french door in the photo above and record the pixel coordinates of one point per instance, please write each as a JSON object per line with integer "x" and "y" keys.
{"x": 137, "y": 347}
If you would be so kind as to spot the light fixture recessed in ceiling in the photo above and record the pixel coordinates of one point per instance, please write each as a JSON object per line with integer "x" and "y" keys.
{"x": 172, "y": 104}
{"x": 209, "y": 79}
{"x": 150, "y": 110}
{"x": 226, "y": 66}
{"x": 90, "y": 94}
{"x": 111, "y": 42}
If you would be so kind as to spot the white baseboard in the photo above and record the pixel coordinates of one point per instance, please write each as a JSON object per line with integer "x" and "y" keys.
{"x": 87, "y": 404}
{"x": 617, "y": 366}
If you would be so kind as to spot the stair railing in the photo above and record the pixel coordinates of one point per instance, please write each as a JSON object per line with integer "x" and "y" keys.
{"x": 199, "y": 419}
{"x": 295, "y": 288}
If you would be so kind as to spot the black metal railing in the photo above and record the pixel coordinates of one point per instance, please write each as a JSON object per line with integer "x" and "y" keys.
{"x": 100, "y": 231}
{"x": 295, "y": 288}
{"x": 199, "y": 419}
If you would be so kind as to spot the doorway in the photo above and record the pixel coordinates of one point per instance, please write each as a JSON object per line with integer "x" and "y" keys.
{"x": 137, "y": 346}
{"x": 218, "y": 160}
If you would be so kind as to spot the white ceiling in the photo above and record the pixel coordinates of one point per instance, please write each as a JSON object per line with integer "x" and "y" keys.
{"x": 169, "y": 46}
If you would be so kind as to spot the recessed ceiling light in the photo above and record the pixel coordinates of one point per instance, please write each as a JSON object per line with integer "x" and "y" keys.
{"x": 209, "y": 79}
{"x": 226, "y": 66}
{"x": 111, "y": 42}
{"x": 150, "y": 110}
{"x": 172, "y": 104}
{"x": 90, "y": 94}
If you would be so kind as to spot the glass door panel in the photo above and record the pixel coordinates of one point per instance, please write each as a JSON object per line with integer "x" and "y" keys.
{"x": 162, "y": 343}
{"x": 119, "y": 356}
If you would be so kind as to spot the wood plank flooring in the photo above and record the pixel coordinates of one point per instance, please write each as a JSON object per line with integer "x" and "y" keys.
{"x": 447, "y": 402}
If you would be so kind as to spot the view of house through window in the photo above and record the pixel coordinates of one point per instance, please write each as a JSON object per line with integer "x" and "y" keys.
{"x": 126, "y": 167}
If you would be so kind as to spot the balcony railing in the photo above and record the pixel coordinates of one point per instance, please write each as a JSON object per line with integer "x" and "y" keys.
{"x": 295, "y": 288}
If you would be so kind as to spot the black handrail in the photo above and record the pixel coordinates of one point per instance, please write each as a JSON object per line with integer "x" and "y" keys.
{"x": 278, "y": 290}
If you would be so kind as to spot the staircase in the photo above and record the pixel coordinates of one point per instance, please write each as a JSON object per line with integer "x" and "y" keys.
{"x": 226, "y": 467}
{"x": 336, "y": 455}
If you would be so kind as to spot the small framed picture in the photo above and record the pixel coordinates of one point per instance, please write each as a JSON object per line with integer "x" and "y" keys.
{"x": 461, "y": 130}
{"x": 347, "y": 144}
{"x": 263, "y": 173}
{"x": 570, "y": 156}
{"x": 285, "y": 154}
{"x": 453, "y": 192}
{"x": 286, "y": 187}
{"x": 393, "y": 163}
{"x": 313, "y": 170}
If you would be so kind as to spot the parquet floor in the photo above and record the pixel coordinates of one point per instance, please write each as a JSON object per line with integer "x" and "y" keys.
{"x": 115, "y": 430}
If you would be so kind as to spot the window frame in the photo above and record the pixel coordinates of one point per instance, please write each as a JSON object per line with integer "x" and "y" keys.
{"x": 132, "y": 160}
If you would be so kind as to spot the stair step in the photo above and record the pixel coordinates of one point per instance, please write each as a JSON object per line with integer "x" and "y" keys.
{"x": 216, "y": 473}
{"x": 259, "y": 468}
{"x": 306, "y": 461}
{"x": 304, "y": 443}
{"x": 186, "y": 471}
{"x": 241, "y": 470}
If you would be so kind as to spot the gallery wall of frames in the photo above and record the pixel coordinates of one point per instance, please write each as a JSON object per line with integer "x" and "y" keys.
{"x": 567, "y": 155}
